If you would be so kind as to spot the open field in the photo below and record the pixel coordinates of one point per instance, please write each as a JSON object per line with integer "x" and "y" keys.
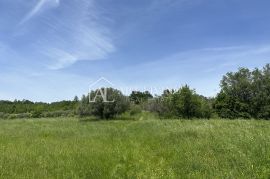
{"x": 68, "y": 148}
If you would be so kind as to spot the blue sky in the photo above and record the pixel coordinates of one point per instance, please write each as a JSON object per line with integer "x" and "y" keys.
{"x": 54, "y": 49}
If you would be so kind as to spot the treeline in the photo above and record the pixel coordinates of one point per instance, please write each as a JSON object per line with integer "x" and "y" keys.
{"x": 244, "y": 94}
{"x": 28, "y": 109}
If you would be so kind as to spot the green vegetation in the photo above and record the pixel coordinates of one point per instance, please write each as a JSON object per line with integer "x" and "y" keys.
{"x": 138, "y": 97}
{"x": 27, "y": 109}
{"x": 116, "y": 103}
{"x": 244, "y": 94}
{"x": 69, "y": 148}
{"x": 184, "y": 103}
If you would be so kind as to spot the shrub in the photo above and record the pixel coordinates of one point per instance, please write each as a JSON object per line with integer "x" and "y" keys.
{"x": 36, "y": 114}
{"x": 184, "y": 103}
{"x": 116, "y": 104}
{"x": 206, "y": 109}
{"x": 23, "y": 115}
{"x": 137, "y": 97}
{"x": 3, "y": 115}
{"x": 160, "y": 106}
{"x": 135, "y": 109}
{"x": 17, "y": 116}
{"x": 61, "y": 113}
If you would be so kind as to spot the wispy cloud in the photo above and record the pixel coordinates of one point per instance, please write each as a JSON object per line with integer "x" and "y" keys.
{"x": 38, "y": 7}
{"x": 75, "y": 31}
{"x": 78, "y": 34}
{"x": 188, "y": 64}
{"x": 63, "y": 58}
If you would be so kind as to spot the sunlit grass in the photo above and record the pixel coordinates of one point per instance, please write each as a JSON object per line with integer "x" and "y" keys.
{"x": 69, "y": 148}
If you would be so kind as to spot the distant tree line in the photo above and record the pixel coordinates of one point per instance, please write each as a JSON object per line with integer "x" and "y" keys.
{"x": 244, "y": 94}
{"x": 28, "y": 109}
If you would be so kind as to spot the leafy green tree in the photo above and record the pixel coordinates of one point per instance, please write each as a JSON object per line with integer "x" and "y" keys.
{"x": 206, "y": 110}
{"x": 138, "y": 97}
{"x": 162, "y": 105}
{"x": 84, "y": 108}
{"x": 104, "y": 107}
{"x": 187, "y": 103}
{"x": 184, "y": 103}
{"x": 244, "y": 94}
{"x": 261, "y": 90}
{"x": 76, "y": 99}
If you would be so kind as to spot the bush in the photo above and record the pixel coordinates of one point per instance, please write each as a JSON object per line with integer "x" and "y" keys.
{"x": 61, "y": 113}
{"x": 36, "y": 114}
{"x": 3, "y": 115}
{"x": 265, "y": 112}
{"x": 12, "y": 116}
{"x": 137, "y": 97}
{"x": 135, "y": 109}
{"x": 184, "y": 103}
{"x": 116, "y": 104}
{"x": 160, "y": 106}
{"x": 23, "y": 115}
{"x": 16, "y": 116}
{"x": 206, "y": 109}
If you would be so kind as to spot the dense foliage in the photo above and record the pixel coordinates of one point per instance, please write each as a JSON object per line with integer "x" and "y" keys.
{"x": 138, "y": 97}
{"x": 184, "y": 103}
{"x": 104, "y": 107}
{"x": 25, "y": 108}
{"x": 244, "y": 94}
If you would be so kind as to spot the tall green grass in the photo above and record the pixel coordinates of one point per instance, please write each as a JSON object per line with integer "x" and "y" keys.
{"x": 69, "y": 148}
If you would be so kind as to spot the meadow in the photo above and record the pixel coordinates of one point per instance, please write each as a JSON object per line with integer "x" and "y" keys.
{"x": 72, "y": 148}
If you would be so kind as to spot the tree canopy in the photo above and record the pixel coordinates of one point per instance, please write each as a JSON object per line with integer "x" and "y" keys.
{"x": 245, "y": 94}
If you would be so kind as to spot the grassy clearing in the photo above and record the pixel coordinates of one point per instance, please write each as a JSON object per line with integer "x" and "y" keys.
{"x": 68, "y": 148}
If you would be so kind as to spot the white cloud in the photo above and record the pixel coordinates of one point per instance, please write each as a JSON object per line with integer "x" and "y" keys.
{"x": 76, "y": 33}
{"x": 64, "y": 59}
{"x": 38, "y": 7}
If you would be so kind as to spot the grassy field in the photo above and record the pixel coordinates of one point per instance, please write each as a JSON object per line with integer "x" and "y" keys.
{"x": 68, "y": 148}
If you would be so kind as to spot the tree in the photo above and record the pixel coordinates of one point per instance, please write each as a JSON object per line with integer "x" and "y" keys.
{"x": 244, "y": 94}
{"x": 76, "y": 99}
{"x": 162, "y": 105}
{"x": 104, "y": 107}
{"x": 138, "y": 97}
{"x": 186, "y": 103}
{"x": 261, "y": 90}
